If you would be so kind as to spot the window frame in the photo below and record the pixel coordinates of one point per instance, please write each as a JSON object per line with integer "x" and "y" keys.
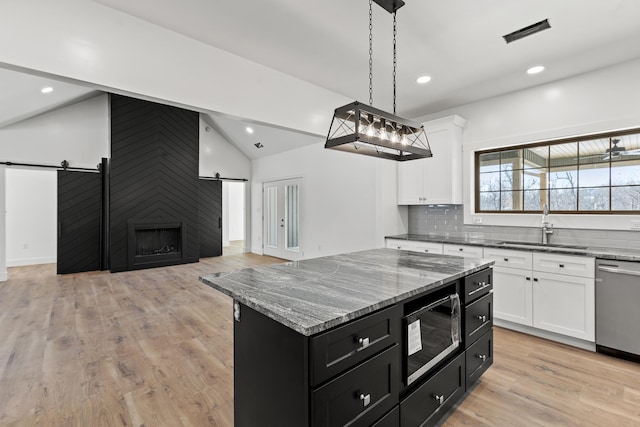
{"x": 547, "y": 189}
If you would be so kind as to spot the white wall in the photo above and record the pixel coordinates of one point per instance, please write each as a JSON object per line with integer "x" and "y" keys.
{"x": 236, "y": 211}
{"x": 219, "y": 155}
{"x": 31, "y": 205}
{"x": 349, "y": 200}
{"x": 599, "y": 101}
{"x": 89, "y": 42}
{"x": 78, "y": 133}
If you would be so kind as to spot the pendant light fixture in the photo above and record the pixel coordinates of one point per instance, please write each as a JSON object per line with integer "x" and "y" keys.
{"x": 363, "y": 129}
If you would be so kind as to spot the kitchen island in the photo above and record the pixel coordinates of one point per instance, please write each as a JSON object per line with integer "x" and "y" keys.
{"x": 321, "y": 341}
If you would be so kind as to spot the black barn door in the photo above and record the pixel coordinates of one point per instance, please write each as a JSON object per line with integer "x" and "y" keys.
{"x": 210, "y": 218}
{"x": 79, "y": 209}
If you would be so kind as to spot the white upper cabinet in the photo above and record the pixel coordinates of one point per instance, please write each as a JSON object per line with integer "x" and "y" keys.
{"x": 437, "y": 180}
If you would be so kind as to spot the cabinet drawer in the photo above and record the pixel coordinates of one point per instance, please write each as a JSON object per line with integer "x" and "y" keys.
{"x": 407, "y": 245}
{"x": 360, "y": 396}
{"x": 564, "y": 264}
{"x": 478, "y": 318}
{"x": 510, "y": 258}
{"x": 428, "y": 247}
{"x": 431, "y": 400}
{"x": 392, "y": 419}
{"x": 479, "y": 357}
{"x": 477, "y": 285}
{"x": 339, "y": 349}
{"x": 462, "y": 250}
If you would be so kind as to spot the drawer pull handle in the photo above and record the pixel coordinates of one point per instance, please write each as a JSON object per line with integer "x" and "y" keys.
{"x": 481, "y": 356}
{"x": 366, "y": 399}
{"x": 399, "y": 247}
{"x": 364, "y": 343}
{"x": 482, "y": 318}
{"x": 506, "y": 259}
{"x": 461, "y": 249}
{"x": 561, "y": 265}
{"x": 426, "y": 250}
{"x": 439, "y": 399}
{"x": 528, "y": 278}
{"x": 535, "y": 279}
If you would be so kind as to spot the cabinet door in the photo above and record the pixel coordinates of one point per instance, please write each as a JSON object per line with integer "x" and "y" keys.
{"x": 442, "y": 180}
{"x": 411, "y": 182}
{"x": 512, "y": 295}
{"x": 462, "y": 250}
{"x": 564, "y": 304}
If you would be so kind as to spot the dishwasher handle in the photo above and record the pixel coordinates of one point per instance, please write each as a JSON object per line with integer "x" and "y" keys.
{"x": 618, "y": 270}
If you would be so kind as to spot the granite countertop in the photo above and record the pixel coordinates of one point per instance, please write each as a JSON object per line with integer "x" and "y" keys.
{"x": 617, "y": 254}
{"x": 314, "y": 295}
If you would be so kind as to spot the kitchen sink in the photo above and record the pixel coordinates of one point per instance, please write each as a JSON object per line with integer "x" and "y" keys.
{"x": 533, "y": 245}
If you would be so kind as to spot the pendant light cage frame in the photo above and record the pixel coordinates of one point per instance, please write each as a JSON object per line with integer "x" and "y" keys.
{"x": 364, "y": 129}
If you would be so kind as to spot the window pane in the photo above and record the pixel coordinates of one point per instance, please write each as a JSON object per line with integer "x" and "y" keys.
{"x": 291, "y": 203}
{"x": 534, "y": 179}
{"x": 563, "y": 199}
{"x": 625, "y": 147}
{"x": 594, "y": 151}
{"x": 532, "y": 200}
{"x": 563, "y": 178}
{"x": 594, "y": 199}
{"x": 594, "y": 175}
{"x": 536, "y": 157}
{"x": 272, "y": 217}
{"x": 625, "y": 173}
{"x": 511, "y": 159}
{"x": 507, "y": 200}
{"x": 510, "y": 180}
{"x": 564, "y": 154}
{"x": 625, "y": 198}
{"x": 490, "y": 201}
{"x": 489, "y": 162}
{"x": 490, "y": 181}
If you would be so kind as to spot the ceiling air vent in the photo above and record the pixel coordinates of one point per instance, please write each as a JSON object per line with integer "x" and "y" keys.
{"x": 527, "y": 31}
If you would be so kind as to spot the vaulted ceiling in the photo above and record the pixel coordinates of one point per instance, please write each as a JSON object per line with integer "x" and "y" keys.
{"x": 458, "y": 43}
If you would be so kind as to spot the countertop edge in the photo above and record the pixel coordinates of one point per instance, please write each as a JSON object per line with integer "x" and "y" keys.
{"x": 616, "y": 254}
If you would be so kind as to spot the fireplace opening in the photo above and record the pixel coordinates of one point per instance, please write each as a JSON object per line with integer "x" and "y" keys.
{"x": 158, "y": 241}
{"x": 155, "y": 243}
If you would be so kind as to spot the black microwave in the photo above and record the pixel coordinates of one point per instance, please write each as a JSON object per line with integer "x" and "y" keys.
{"x": 432, "y": 332}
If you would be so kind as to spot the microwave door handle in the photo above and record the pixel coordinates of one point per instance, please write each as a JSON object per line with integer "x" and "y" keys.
{"x": 455, "y": 319}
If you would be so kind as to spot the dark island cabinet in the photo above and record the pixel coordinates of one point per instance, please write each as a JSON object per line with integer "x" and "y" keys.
{"x": 351, "y": 375}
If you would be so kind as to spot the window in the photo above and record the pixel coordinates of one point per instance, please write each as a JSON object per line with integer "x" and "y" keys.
{"x": 595, "y": 174}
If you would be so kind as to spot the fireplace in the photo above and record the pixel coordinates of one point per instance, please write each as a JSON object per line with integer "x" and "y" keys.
{"x": 156, "y": 243}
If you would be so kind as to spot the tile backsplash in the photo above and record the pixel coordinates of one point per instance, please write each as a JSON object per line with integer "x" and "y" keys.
{"x": 448, "y": 220}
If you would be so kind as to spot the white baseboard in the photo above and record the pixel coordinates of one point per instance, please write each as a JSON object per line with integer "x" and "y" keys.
{"x": 31, "y": 261}
{"x": 4, "y": 276}
{"x": 257, "y": 251}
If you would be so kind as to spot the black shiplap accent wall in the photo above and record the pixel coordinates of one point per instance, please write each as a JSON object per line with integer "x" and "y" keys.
{"x": 154, "y": 171}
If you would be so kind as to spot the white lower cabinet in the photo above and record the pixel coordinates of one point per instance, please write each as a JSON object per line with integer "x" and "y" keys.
{"x": 564, "y": 304}
{"x": 462, "y": 250}
{"x": 535, "y": 297}
{"x": 512, "y": 295}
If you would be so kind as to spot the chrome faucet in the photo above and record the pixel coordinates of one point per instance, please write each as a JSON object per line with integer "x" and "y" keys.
{"x": 547, "y": 227}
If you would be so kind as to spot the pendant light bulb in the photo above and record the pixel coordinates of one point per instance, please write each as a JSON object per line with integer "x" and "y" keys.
{"x": 383, "y": 129}
{"x": 371, "y": 130}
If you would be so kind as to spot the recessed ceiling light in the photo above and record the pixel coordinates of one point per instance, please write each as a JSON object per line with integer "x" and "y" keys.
{"x": 47, "y": 89}
{"x": 535, "y": 70}
{"x": 249, "y": 129}
{"x": 423, "y": 79}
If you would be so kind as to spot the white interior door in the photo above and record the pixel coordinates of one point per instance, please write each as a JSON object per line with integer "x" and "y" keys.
{"x": 282, "y": 202}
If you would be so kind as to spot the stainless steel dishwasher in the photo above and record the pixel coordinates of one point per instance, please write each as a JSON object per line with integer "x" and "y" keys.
{"x": 617, "y": 313}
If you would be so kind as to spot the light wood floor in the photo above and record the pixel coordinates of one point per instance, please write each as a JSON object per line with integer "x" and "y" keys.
{"x": 154, "y": 348}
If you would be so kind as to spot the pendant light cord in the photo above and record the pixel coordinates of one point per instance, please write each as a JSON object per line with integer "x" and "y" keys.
{"x": 395, "y": 62}
{"x": 370, "y": 53}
